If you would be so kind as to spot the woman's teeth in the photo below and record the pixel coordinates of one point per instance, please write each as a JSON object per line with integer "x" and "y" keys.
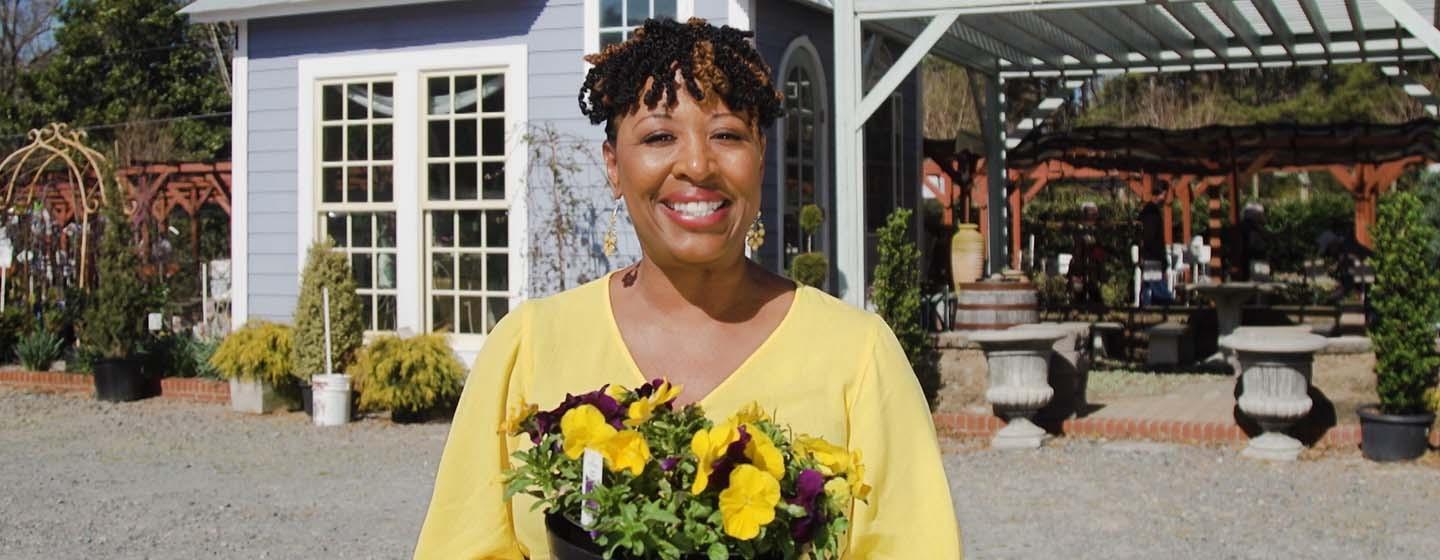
{"x": 696, "y": 209}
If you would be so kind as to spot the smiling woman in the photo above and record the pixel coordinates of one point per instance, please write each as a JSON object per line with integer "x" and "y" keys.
{"x": 683, "y": 106}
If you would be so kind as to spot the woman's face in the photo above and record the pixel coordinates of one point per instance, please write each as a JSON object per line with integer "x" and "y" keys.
{"x": 690, "y": 175}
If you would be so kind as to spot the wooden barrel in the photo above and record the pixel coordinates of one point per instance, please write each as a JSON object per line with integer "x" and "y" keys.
{"x": 996, "y": 305}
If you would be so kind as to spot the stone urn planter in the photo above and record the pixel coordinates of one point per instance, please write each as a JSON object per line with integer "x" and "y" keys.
{"x": 1275, "y": 385}
{"x": 1019, "y": 363}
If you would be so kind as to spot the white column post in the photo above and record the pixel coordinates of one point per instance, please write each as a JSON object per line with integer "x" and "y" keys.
{"x": 849, "y": 169}
{"x": 240, "y": 179}
{"x": 993, "y": 130}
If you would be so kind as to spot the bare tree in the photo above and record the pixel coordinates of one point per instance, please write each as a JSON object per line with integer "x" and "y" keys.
{"x": 25, "y": 27}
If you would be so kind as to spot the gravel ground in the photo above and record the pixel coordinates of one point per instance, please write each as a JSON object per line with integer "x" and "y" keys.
{"x": 162, "y": 480}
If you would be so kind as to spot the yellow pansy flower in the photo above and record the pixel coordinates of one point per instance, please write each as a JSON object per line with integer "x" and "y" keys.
{"x": 856, "y": 476}
{"x": 749, "y": 503}
{"x": 627, "y": 450}
{"x": 519, "y": 413}
{"x": 584, "y": 427}
{"x": 665, "y": 393}
{"x": 640, "y": 412}
{"x": 751, "y": 414}
{"x": 839, "y": 491}
{"x": 761, "y": 451}
{"x": 616, "y": 392}
{"x": 833, "y": 459}
{"x": 708, "y": 446}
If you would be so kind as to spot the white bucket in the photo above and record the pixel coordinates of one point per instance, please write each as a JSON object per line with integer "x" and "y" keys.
{"x": 331, "y": 399}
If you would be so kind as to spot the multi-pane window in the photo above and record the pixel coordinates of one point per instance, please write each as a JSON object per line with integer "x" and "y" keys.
{"x": 466, "y": 207}
{"x": 619, "y": 17}
{"x": 357, "y": 188}
{"x": 800, "y": 168}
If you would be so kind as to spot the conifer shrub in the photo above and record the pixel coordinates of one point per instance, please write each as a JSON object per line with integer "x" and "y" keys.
{"x": 407, "y": 375}
{"x": 114, "y": 321}
{"x": 259, "y": 351}
{"x": 326, "y": 267}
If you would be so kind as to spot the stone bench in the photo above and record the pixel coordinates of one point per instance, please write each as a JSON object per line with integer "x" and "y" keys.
{"x": 1169, "y": 345}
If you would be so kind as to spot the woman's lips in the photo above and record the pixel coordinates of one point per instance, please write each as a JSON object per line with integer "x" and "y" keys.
{"x": 695, "y": 214}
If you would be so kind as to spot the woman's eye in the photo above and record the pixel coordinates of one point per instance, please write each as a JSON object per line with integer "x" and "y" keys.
{"x": 727, "y": 135}
{"x": 657, "y": 137}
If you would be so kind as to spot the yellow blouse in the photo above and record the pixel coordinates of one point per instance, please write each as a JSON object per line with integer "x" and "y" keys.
{"x": 828, "y": 370}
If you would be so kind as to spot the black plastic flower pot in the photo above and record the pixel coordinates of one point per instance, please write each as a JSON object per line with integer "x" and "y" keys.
{"x": 568, "y": 541}
{"x": 1393, "y": 437}
{"x": 307, "y": 400}
{"x": 124, "y": 380}
{"x": 408, "y": 416}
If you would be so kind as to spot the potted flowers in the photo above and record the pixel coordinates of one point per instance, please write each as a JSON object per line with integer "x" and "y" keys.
{"x": 624, "y": 473}
{"x": 1406, "y": 297}
{"x": 257, "y": 361}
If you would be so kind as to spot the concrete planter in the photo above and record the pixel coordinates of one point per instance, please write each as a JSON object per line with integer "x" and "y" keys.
{"x": 1275, "y": 386}
{"x": 1019, "y": 362}
{"x": 253, "y": 397}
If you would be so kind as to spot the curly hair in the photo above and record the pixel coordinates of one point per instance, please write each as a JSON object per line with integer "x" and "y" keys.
{"x": 708, "y": 58}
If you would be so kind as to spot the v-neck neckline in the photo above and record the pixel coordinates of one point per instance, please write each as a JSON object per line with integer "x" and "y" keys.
{"x": 639, "y": 375}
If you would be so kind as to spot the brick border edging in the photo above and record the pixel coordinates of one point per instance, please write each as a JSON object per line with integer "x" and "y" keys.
{"x": 176, "y": 388}
{"x": 981, "y": 425}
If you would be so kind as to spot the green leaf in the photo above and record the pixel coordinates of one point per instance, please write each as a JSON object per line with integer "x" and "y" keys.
{"x": 717, "y": 551}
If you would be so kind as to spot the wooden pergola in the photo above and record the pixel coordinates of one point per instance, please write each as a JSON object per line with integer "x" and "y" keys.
{"x": 1366, "y": 159}
{"x": 154, "y": 192}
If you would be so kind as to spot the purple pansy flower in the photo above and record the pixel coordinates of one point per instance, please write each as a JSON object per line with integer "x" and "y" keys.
{"x": 808, "y": 488}
{"x": 734, "y": 456}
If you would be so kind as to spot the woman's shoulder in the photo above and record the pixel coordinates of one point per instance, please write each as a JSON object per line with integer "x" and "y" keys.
{"x": 573, "y": 307}
{"x": 836, "y": 319}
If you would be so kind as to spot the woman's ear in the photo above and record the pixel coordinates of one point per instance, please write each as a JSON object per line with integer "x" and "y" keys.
{"x": 612, "y": 170}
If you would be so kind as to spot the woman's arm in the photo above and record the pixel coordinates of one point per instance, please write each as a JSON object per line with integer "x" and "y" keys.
{"x": 469, "y": 516}
{"x": 909, "y": 514}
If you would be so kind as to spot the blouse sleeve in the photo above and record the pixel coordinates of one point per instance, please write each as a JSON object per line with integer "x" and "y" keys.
{"x": 909, "y": 513}
{"x": 469, "y": 516}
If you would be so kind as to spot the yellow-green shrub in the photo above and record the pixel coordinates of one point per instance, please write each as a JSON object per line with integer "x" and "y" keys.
{"x": 260, "y": 351}
{"x": 408, "y": 374}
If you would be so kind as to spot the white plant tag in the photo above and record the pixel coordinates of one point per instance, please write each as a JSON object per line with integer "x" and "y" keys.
{"x": 592, "y": 468}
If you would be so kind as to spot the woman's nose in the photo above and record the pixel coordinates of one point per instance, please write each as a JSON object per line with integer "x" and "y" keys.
{"x": 695, "y": 162}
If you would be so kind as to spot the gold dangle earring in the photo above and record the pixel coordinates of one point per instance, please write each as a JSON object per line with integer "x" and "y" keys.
{"x": 756, "y": 236}
{"x": 611, "y": 239}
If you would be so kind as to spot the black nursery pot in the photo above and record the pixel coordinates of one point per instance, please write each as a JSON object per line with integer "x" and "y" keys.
{"x": 124, "y": 380}
{"x": 568, "y": 541}
{"x": 307, "y": 400}
{"x": 1393, "y": 437}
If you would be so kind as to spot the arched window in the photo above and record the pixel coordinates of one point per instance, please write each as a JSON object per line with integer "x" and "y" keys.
{"x": 804, "y": 175}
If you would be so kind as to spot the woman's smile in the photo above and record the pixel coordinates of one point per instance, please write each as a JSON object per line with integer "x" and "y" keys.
{"x": 699, "y": 210}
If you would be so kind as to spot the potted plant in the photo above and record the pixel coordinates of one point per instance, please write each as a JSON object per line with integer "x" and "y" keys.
{"x": 325, "y": 268}
{"x": 407, "y": 376}
{"x": 114, "y": 321}
{"x": 810, "y": 268}
{"x": 627, "y": 474}
{"x": 1406, "y": 297}
{"x": 257, "y": 360}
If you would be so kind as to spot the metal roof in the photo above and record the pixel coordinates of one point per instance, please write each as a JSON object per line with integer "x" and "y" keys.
{"x": 1083, "y": 37}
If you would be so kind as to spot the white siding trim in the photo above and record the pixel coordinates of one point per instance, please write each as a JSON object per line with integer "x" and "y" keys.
{"x": 742, "y": 14}
{"x": 407, "y": 68}
{"x": 240, "y": 179}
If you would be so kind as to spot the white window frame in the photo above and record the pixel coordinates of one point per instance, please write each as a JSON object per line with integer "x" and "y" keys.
{"x": 375, "y": 250}
{"x": 684, "y": 9}
{"x": 479, "y": 204}
{"x": 407, "y": 68}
